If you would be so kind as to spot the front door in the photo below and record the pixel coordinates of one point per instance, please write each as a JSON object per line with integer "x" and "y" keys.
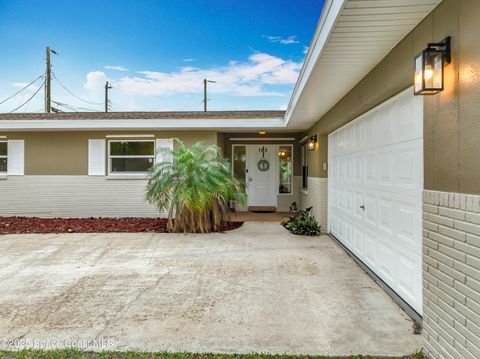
{"x": 261, "y": 175}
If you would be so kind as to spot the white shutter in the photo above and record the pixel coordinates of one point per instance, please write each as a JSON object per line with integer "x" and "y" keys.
{"x": 96, "y": 157}
{"x": 16, "y": 157}
{"x": 163, "y": 143}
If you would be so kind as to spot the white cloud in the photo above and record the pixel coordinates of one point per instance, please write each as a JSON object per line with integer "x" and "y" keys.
{"x": 305, "y": 49}
{"x": 95, "y": 80}
{"x": 283, "y": 107}
{"x": 292, "y": 39}
{"x": 236, "y": 78}
{"x": 188, "y": 60}
{"x": 116, "y": 68}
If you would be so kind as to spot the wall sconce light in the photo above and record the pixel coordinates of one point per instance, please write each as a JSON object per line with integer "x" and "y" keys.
{"x": 429, "y": 66}
{"x": 262, "y": 132}
{"x": 311, "y": 142}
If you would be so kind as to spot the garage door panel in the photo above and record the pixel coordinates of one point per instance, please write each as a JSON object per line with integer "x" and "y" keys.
{"x": 359, "y": 168}
{"x": 408, "y": 284}
{"x": 349, "y": 207}
{"x": 358, "y": 239}
{"x": 359, "y": 202}
{"x": 370, "y": 254}
{"x": 408, "y": 170}
{"x": 370, "y": 205}
{"x": 348, "y": 239}
{"x": 385, "y": 168}
{"x": 406, "y": 127}
{"x": 386, "y": 263}
{"x": 386, "y": 211}
{"x": 376, "y": 163}
{"x": 408, "y": 223}
{"x": 370, "y": 173}
{"x": 384, "y": 127}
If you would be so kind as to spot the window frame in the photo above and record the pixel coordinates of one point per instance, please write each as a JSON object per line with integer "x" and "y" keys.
{"x": 293, "y": 170}
{"x": 4, "y": 173}
{"x": 110, "y": 157}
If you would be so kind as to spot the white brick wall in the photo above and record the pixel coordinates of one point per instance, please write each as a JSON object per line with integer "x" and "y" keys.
{"x": 451, "y": 275}
{"x": 74, "y": 196}
{"x": 316, "y": 197}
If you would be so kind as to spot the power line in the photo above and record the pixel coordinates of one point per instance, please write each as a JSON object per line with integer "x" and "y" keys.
{"x": 22, "y": 89}
{"x": 23, "y": 104}
{"x": 72, "y": 107}
{"x": 118, "y": 106}
{"x": 71, "y": 93}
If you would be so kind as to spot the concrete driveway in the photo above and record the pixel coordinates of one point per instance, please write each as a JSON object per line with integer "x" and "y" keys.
{"x": 255, "y": 289}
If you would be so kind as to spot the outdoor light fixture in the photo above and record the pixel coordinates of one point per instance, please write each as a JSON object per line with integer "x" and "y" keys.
{"x": 311, "y": 142}
{"x": 429, "y": 66}
{"x": 262, "y": 132}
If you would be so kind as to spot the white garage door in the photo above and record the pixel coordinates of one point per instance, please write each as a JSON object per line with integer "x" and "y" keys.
{"x": 375, "y": 192}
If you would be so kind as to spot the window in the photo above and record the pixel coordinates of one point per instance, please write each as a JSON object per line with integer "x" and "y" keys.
{"x": 3, "y": 156}
{"x": 239, "y": 161}
{"x": 130, "y": 157}
{"x": 305, "y": 165}
{"x": 285, "y": 160}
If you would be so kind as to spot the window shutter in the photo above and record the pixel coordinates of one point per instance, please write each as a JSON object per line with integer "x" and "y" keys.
{"x": 162, "y": 144}
{"x": 96, "y": 157}
{"x": 15, "y": 157}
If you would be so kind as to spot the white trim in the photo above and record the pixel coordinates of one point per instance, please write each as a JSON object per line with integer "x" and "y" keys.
{"x": 129, "y": 136}
{"x": 330, "y": 14}
{"x": 111, "y": 174}
{"x": 96, "y": 157}
{"x": 3, "y": 137}
{"x": 262, "y": 139}
{"x": 16, "y": 157}
{"x": 135, "y": 124}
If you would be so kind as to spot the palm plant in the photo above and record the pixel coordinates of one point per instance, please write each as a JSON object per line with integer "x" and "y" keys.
{"x": 194, "y": 186}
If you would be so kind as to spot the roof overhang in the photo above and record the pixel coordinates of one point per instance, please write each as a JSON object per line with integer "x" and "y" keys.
{"x": 351, "y": 38}
{"x": 139, "y": 124}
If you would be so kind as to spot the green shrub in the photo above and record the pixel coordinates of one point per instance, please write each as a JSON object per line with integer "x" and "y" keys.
{"x": 194, "y": 186}
{"x": 303, "y": 223}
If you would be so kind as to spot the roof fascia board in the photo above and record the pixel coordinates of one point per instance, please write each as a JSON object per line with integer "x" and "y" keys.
{"x": 192, "y": 124}
{"x": 330, "y": 15}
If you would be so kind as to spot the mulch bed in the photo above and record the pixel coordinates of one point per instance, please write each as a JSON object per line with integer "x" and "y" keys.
{"x": 22, "y": 225}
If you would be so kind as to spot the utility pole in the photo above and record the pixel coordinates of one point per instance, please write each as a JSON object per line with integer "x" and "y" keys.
{"x": 48, "y": 80}
{"x": 107, "y": 87}
{"x": 205, "y": 99}
{"x": 48, "y": 83}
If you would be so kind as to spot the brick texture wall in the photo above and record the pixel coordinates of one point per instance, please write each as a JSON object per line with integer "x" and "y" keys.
{"x": 451, "y": 275}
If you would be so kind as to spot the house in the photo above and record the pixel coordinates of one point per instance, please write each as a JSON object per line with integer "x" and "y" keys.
{"x": 393, "y": 175}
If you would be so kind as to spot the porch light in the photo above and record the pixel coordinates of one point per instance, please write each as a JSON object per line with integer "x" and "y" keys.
{"x": 311, "y": 142}
{"x": 429, "y": 66}
{"x": 262, "y": 132}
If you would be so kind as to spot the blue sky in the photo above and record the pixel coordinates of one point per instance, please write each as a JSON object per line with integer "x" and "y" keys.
{"x": 156, "y": 53}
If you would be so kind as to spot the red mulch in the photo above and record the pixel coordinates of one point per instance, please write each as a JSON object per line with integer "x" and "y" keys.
{"x": 22, "y": 225}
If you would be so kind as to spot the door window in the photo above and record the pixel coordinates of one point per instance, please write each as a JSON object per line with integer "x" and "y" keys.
{"x": 239, "y": 162}
{"x": 285, "y": 161}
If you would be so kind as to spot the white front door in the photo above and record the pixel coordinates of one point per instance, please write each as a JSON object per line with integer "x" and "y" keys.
{"x": 262, "y": 175}
{"x": 375, "y": 192}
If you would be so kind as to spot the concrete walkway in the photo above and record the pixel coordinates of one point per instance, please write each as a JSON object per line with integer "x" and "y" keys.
{"x": 255, "y": 289}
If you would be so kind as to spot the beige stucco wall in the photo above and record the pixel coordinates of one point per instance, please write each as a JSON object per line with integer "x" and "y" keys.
{"x": 66, "y": 153}
{"x": 451, "y": 127}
